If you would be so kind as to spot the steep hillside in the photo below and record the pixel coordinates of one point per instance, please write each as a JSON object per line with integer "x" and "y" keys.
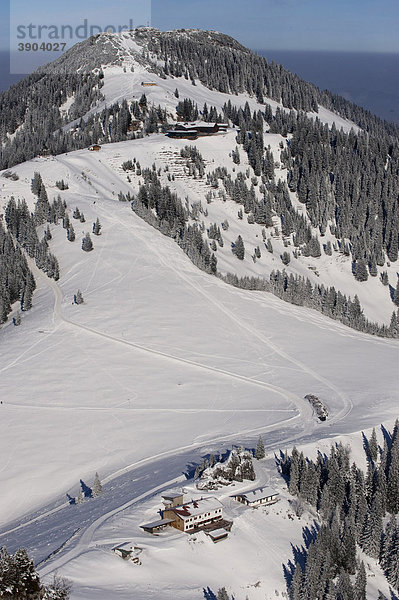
{"x": 310, "y": 195}
{"x": 136, "y": 358}
{"x": 159, "y": 345}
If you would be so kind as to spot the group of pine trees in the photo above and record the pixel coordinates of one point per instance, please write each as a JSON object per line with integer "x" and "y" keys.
{"x": 321, "y": 163}
{"x": 352, "y": 506}
{"x": 86, "y": 492}
{"x": 16, "y": 279}
{"x": 163, "y": 209}
{"x": 20, "y": 581}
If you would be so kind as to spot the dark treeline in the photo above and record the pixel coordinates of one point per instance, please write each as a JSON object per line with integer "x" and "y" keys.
{"x": 163, "y": 209}
{"x": 20, "y": 581}
{"x": 350, "y": 180}
{"x": 330, "y": 302}
{"x": 347, "y": 180}
{"x": 33, "y": 106}
{"x": 352, "y": 506}
{"x": 300, "y": 291}
{"x": 221, "y": 63}
{"x": 171, "y": 218}
{"x": 22, "y": 224}
{"x": 112, "y": 124}
{"x": 16, "y": 280}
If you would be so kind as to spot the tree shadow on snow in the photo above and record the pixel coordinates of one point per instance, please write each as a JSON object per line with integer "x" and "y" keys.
{"x": 366, "y": 446}
{"x": 190, "y": 470}
{"x": 387, "y": 436}
{"x": 87, "y": 491}
{"x": 309, "y": 534}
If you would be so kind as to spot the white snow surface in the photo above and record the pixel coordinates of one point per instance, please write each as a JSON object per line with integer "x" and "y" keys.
{"x": 164, "y": 361}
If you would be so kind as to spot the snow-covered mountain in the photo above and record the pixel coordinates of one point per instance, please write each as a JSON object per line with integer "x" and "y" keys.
{"x": 164, "y": 361}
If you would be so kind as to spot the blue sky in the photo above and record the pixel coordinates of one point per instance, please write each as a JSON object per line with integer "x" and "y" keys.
{"x": 354, "y": 25}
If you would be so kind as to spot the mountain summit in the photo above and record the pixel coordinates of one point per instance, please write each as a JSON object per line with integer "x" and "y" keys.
{"x": 313, "y": 177}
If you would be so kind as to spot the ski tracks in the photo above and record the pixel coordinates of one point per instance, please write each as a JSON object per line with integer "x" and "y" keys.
{"x": 346, "y": 402}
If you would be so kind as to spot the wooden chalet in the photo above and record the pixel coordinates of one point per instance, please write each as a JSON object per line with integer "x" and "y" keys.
{"x": 183, "y": 134}
{"x": 257, "y": 496}
{"x": 148, "y": 83}
{"x": 94, "y": 148}
{"x": 194, "y": 130}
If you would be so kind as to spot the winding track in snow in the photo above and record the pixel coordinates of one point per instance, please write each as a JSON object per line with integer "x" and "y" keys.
{"x": 303, "y": 410}
{"x": 346, "y": 402}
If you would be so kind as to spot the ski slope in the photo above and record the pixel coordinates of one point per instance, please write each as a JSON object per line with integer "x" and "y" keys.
{"x": 161, "y": 364}
{"x": 158, "y": 346}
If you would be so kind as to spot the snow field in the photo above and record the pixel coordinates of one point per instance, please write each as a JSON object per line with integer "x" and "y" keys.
{"x": 249, "y": 563}
{"x": 157, "y": 334}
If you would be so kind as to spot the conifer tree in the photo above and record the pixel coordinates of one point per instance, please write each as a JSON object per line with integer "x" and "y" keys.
{"x": 238, "y": 248}
{"x": 87, "y": 244}
{"x": 71, "y": 233}
{"x": 373, "y": 446}
{"x": 396, "y": 294}
{"x": 260, "y": 449}
{"x": 78, "y": 297}
{"x": 97, "y": 487}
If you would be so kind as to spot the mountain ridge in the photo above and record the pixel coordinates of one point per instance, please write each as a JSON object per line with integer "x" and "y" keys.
{"x": 284, "y": 186}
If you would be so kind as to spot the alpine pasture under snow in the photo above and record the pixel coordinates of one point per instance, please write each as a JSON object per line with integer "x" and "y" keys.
{"x": 163, "y": 364}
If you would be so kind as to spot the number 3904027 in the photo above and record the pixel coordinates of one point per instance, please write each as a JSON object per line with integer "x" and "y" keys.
{"x": 44, "y": 46}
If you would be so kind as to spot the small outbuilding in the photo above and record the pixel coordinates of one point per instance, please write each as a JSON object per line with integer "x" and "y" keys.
{"x": 94, "y": 148}
{"x": 156, "y": 526}
{"x": 257, "y": 496}
{"x": 124, "y": 550}
{"x": 217, "y": 535}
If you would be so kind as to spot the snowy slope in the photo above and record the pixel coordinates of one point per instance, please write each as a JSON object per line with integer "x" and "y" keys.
{"x": 158, "y": 346}
{"x": 165, "y": 361}
{"x": 249, "y": 563}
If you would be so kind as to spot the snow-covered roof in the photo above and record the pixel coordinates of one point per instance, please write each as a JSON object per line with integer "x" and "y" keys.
{"x": 217, "y": 533}
{"x": 196, "y": 507}
{"x": 159, "y": 523}
{"x": 257, "y": 494}
{"x": 127, "y": 546}
{"x": 171, "y": 496}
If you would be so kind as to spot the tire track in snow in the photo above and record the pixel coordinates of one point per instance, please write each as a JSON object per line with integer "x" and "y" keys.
{"x": 144, "y": 410}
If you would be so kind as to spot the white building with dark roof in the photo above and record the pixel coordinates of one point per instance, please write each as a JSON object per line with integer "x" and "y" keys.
{"x": 257, "y": 496}
{"x": 195, "y": 514}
